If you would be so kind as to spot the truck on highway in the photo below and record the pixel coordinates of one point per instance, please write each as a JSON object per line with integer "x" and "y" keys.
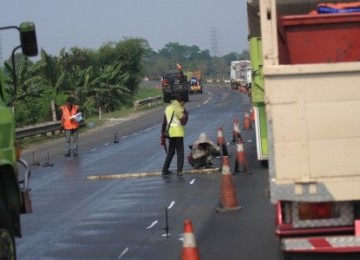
{"x": 311, "y": 97}
{"x": 240, "y": 73}
{"x": 14, "y": 193}
{"x": 174, "y": 82}
{"x": 195, "y": 82}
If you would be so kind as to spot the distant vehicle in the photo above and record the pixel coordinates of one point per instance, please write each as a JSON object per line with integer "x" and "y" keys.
{"x": 240, "y": 73}
{"x": 174, "y": 82}
{"x": 195, "y": 82}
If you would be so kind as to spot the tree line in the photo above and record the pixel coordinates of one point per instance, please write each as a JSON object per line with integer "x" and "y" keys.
{"x": 106, "y": 78}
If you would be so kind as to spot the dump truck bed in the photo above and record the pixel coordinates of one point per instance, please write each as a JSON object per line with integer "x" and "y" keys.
{"x": 312, "y": 105}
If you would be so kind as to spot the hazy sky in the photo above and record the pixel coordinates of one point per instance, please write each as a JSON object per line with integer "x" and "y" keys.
{"x": 217, "y": 25}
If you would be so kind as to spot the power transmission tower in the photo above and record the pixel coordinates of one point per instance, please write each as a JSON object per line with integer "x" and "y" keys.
{"x": 214, "y": 43}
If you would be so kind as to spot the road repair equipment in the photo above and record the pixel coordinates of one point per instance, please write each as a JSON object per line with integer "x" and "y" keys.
{"x": 241, "y": 163}
{"x": 221, "y": 142}
{"x": 236, "y": 131}
{"x": 228, "y": 199}
{"x": 190, "y": 250}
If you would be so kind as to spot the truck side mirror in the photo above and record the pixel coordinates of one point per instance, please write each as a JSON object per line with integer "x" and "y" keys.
{"x": 28, "y": 39}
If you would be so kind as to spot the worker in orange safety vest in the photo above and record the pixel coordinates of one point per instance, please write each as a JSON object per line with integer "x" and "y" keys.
{"x": 70, "y": 118}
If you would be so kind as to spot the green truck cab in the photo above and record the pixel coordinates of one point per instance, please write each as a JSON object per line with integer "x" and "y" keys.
{"x": 12, "y": 199}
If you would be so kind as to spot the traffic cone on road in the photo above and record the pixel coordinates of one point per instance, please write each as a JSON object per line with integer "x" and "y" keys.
{"x": 236, "y": 131}
{"x": 252, "y": 114}
{"x": 247, "y": 121}
{"x": 221, "y": 142}
{"x": 241, "y": 163}
{"x": 228, "y": 200}
{"x": 189, "y": 251}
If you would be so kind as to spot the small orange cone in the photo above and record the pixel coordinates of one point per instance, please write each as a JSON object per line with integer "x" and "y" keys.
{"x": 241, "y": 163}
{"x": 189, "y": 251}
{"x": 252, "y": 114}
{"x": 221, "y": 142}
{"x": 228, "y": 200}
{"x": 236, "y": 131}
{"x": 247, "y": 121}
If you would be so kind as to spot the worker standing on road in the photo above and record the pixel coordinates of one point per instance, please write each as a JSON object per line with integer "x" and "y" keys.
{"x": 70, "y": 118}
{"x": 175, "y": 118}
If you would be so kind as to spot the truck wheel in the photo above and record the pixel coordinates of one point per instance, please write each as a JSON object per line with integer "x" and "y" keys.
{"x": 7, "y": 240}
{"x": 186, "y": 97}
{"x": 166, "y": 98}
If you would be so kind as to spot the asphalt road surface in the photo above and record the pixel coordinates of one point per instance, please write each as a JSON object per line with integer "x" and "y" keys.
{"x": 75, "y": 217}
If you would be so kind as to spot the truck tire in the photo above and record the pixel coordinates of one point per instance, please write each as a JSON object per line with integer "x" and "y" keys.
{"x": 7, "y": 239}
{"x": 166, "y": 98}
{"x": 186, "y": 98}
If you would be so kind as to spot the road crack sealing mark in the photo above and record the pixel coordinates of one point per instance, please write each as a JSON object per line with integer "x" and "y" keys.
{"x": 147, "y": 174}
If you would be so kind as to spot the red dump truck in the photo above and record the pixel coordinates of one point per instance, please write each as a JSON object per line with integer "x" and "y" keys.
{"x": 311, "y": 67}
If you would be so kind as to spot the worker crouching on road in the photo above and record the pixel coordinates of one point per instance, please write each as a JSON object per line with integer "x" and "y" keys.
{"x": 70, "y": 118}
{"x": 175, "y": 119}
{"x": 203, "y": 152}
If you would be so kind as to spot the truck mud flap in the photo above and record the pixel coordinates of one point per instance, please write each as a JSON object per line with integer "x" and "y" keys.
{"x": 26, "y": 198}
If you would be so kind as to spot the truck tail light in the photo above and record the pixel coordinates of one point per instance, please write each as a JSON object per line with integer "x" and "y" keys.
{"x": 18, "y": 150}
{"x": 320, "y": 210}
{"x": 165, "y": 82}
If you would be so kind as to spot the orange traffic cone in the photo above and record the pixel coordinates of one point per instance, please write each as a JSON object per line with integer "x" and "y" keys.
{"x": 228, "y": 200}
{"x": 189, "y": 251}
{"x": 221, "y": 142}
{"x": 252, "y": 114}
{"x": 247, "y": 121}
{"x": 236, "y": 131}
{"x": 241, "y": 163}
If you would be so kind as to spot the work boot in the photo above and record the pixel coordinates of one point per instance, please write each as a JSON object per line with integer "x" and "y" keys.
{"x": 67, "y": 154}
{"x": 166, "y": 173}
{"x": 179, "y": 174}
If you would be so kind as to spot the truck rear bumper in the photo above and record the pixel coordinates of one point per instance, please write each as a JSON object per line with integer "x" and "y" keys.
{"x": 323, "y": 244}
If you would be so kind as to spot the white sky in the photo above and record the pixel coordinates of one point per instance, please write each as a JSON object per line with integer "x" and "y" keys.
{"x": 216, "y": 25}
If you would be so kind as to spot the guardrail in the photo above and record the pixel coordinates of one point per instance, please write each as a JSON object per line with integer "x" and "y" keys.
{"x": 149, "y": 102}
{"x": 56, "y": 125}
{"x": 38, "y": 129}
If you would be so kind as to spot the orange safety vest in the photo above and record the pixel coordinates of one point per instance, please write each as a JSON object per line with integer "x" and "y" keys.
{"x": 66, "y": 122}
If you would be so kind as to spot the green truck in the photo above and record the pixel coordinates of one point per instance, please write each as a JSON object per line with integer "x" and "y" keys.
{"x": 257, "y": 85}
{"x": 14, "y": 193}
{"x": 310, "y": 67}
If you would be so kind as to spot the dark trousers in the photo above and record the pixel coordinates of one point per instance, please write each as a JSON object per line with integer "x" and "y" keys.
{"x": 175, "y": 144}
{"x": 71, "y": 146}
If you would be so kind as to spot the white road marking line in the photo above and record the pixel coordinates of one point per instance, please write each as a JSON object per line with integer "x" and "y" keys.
{"x": 106, "y": 144}
{"x": 93, "y": 149}
{"x": 123, "y": 253}
{"x": 152, "y": 224}
{"x": 171, "y": 205}
{"x": 192, "y": 181}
